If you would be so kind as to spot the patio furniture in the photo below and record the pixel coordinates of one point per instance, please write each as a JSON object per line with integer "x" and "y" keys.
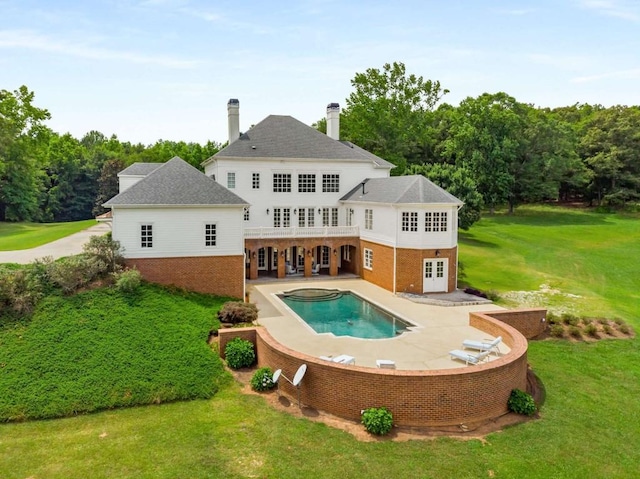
{"x": 291, "y": 269}
{"x": 484, "y": 345}
{"x": 315, "y": 270}
{"x": 385, "y": 364}
{"x": 469, "y": 358}
{"x": 342, "y": 359}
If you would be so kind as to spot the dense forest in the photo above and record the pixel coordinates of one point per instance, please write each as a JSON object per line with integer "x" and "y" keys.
{"x": 489, "y": 151}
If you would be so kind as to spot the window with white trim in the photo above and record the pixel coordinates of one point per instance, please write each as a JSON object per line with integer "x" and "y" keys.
{"x": 329, "y": 216}
{"x": 368, "y": 219}
{"x": 346, "y": 253}
{"x": 281, "y": 217}
{"x": 282, "y": 182}
{"x": 302, "y": 217}
{"x": 349, "y": 216}
{"x": 231, "y": 180}
{"x": 210, "y": 234}
{"x": 330, "y": 183}
{"x": 311, "y": 217}
{"x": 246, "y": 213}
{"x": 409, "y": 221}
{"x": 368, "y": 258}
{"x": 435, "y": 221}
{"x": 146, "y": 236}
{"x": 255, "y": 181}
{"x": 306, "y": 183}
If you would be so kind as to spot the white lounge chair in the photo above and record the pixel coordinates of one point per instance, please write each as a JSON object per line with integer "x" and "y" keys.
{"x": 291, "y": 269}
{"x": 342, "y": 359}
{"x": 385, "y": 364}
{"x": 315, "y": 270}
{"x": 469, "y": 358}
{"x": 484, "y": 345}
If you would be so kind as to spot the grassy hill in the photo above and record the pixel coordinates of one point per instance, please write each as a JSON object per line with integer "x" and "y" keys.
{"x": 589, "y": 426}
{"x": 17, "y": 236}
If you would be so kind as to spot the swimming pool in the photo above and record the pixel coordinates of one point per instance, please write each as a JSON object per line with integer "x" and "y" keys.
{"x": 343, "y": 313}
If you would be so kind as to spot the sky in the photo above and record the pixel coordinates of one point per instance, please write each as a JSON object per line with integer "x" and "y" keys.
{"x": 147, "y": 70}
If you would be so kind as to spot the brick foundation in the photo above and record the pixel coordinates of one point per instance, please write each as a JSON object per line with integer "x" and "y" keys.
{"x": 220, "y": 275}
{"x": 416, "y": 398}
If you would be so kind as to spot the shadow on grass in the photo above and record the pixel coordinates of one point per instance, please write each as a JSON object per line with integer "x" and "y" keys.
{"x": 470, "y": 240}
{"x": 549, "y": 216}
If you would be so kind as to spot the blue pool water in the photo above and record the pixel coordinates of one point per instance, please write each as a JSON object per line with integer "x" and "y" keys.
{"x": 343, "y": 314}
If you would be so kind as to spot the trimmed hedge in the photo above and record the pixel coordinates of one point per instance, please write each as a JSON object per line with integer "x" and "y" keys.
{"x": 239, "y": 353}
{"x": 377, "y": 420}
{"x": 103, "y": 349}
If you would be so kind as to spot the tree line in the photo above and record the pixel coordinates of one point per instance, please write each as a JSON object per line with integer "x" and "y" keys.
{"x": 46, "y": 176}
{"x": 489, "y": 151}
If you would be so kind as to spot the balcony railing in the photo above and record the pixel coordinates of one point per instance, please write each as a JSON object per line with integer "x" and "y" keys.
{"x": 314, "y": 232}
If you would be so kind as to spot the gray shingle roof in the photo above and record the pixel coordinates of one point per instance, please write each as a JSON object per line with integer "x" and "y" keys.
{"x": 140, "y": 169}
{"x": 176, "y": 183}
{"x": 413, "y": 189}
{"x": 279, "y": 136}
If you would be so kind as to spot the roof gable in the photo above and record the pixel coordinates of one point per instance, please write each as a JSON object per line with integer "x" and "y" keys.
{"x": 176, "y": 183}
{"x": 412, "y": 189}
{"x": 279, "y": 136}
{"x": 140, "y": 169}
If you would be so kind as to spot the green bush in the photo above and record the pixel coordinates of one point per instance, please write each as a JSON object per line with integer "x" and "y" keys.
{"x": 493, "y": 295}
{"x": 128, "y": 280}
{"x": 377, "y": 420}
{"x": 624, "y": 329}
{"x": 607, "y": 329}
{"x": 521, "y": 402}
{"x": 239, "y": 353}
{"x": 262, "y": 380}
{"x": 73, "y": 272}
{"x": 105, "y": 250}
{"x": 570, "y": 319}
{"x": 586, "y": 320}
{"x": 238, "y": 312}
{"x": 575, "y": 332}
{"x": 552, "y": 318}
{"x": 591, "y": 330}
{"x": 557, "y": 331}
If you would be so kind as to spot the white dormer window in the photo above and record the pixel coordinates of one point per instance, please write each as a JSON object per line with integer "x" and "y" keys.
{"x": 231, "y": 180}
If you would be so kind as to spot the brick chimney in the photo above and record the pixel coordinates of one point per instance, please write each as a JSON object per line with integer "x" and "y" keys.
{"x": 233, "y": 111}
{"x": 333, "y": 121}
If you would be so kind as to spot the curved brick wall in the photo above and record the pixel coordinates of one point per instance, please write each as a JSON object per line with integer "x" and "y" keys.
{"x": 416, "y": 398}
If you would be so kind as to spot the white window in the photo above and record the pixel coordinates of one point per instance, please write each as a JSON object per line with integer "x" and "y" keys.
{"x": 255, "y": 181}
{"x": 436, "y": 221}
{"x": 246, "y": 213}
{"x": 346, "y": 253}
{"x": 306, "y": 217}
{"x": 231, "y": 180}
{"x": 368, "y": 258}
{"x": 262, "y": 264}
{"x": 324, "y": 256}
{"x": 281, "y": 217}
{"x": 306, "y": 183}
{"x": 282, "y": 182}
{"x": 146, "y": 236}
{"x": 210, "y": 234}
{"x": 330, "y": 183}
{"x": 329, "y": 216}
{"x": 409, "y": 221}
{"x": 311, "y": 217}
{"x": 368, "y": 219}
{"x": 334, "y": 216}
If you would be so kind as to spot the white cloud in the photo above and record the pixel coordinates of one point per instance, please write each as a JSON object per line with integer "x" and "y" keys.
{"x": 631, "y": 74}
{"x": 614, "y": 8}
{"x": 34, "y": 41}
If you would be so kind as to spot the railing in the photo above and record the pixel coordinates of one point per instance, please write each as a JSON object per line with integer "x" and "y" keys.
{"x": 313, "y": 232}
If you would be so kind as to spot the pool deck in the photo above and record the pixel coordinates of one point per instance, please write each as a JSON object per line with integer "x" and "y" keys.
{"x": 439, "y": 328}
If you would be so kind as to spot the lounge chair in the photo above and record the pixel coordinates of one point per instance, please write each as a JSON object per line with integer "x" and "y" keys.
{"x": 342, "y": 359}
{"x": 291, "y": 269}
{"x": 469, "y": 358}
{"x": 315, "y": 270}
{"x": 484, "y": 345}
{"x": 385, "y": 364}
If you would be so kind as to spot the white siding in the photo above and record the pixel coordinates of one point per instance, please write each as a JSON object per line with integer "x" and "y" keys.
{"x": 422, "y": 239}
{"x": 179, "y": 232}
{"x": 351, "y": 174}
{"x": 384, "y": 219}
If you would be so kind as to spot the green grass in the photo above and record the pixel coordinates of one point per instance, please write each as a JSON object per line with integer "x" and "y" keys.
{"x": 17, "y": 236}
{"x": 102, "y": 349}
{"x": 590, "y": 255}
{"x": 590, "y": 424}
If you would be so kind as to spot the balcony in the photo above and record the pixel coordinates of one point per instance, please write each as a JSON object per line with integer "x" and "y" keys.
{"x": 314, "y": 232}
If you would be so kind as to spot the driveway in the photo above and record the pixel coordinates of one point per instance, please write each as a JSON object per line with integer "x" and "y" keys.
{"x": 67, "y": 246}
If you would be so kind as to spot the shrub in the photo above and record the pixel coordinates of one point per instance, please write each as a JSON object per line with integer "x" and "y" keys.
{"x": 624, "y": 329}
{"x": 262, "y": 380}
{"x": 569, "y": 318}
{"x": 552, "y": 318}
{"x": 521, "y": 402}
{"x": 73, "y": 272}
{"x": 128, "y": 280}
{"x": 239, "y": 353}
{"x": 20, "y": 290}
{"x": 557, "y": 331}
{"x": 591, "y": 330}
{"x": 105, "y": 250}
{"x": 493, "y": 295}
{"x": 586, "y": 320}
{"x": 607, "y": 329}
{"x": 238, "y": 312}
{"x": 575, "y": 332}
{"x": 618, "y": 321}
{"x": 377, "y": 420}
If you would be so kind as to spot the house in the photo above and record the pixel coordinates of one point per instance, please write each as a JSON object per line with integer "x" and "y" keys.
{"x": 285, "y": 199}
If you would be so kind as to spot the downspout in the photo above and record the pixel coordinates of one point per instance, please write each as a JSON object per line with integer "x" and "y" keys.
{"x": 395, "y": 254}
{"x": 457, "y": 245}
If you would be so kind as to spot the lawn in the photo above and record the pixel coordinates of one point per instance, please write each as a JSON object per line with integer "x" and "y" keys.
{"x": 16, "y": 236}
{"x": 590, "y": 424}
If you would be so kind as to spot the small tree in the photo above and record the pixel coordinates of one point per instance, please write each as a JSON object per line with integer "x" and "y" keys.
{"x": 106, "y": 250}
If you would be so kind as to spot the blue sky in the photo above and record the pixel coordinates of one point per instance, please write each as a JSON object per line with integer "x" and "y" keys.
{"x": 164, "y": 69}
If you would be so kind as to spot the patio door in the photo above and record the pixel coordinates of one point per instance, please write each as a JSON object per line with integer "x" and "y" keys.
{"x": 435, "y": 274}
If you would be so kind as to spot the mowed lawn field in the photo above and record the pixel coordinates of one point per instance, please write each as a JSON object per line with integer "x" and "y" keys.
{"x": 589, "y": 425}
{"x": 17, "y": 236}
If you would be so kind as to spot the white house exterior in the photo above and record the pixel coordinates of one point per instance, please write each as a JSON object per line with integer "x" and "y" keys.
{"x": 287, "y": 200}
